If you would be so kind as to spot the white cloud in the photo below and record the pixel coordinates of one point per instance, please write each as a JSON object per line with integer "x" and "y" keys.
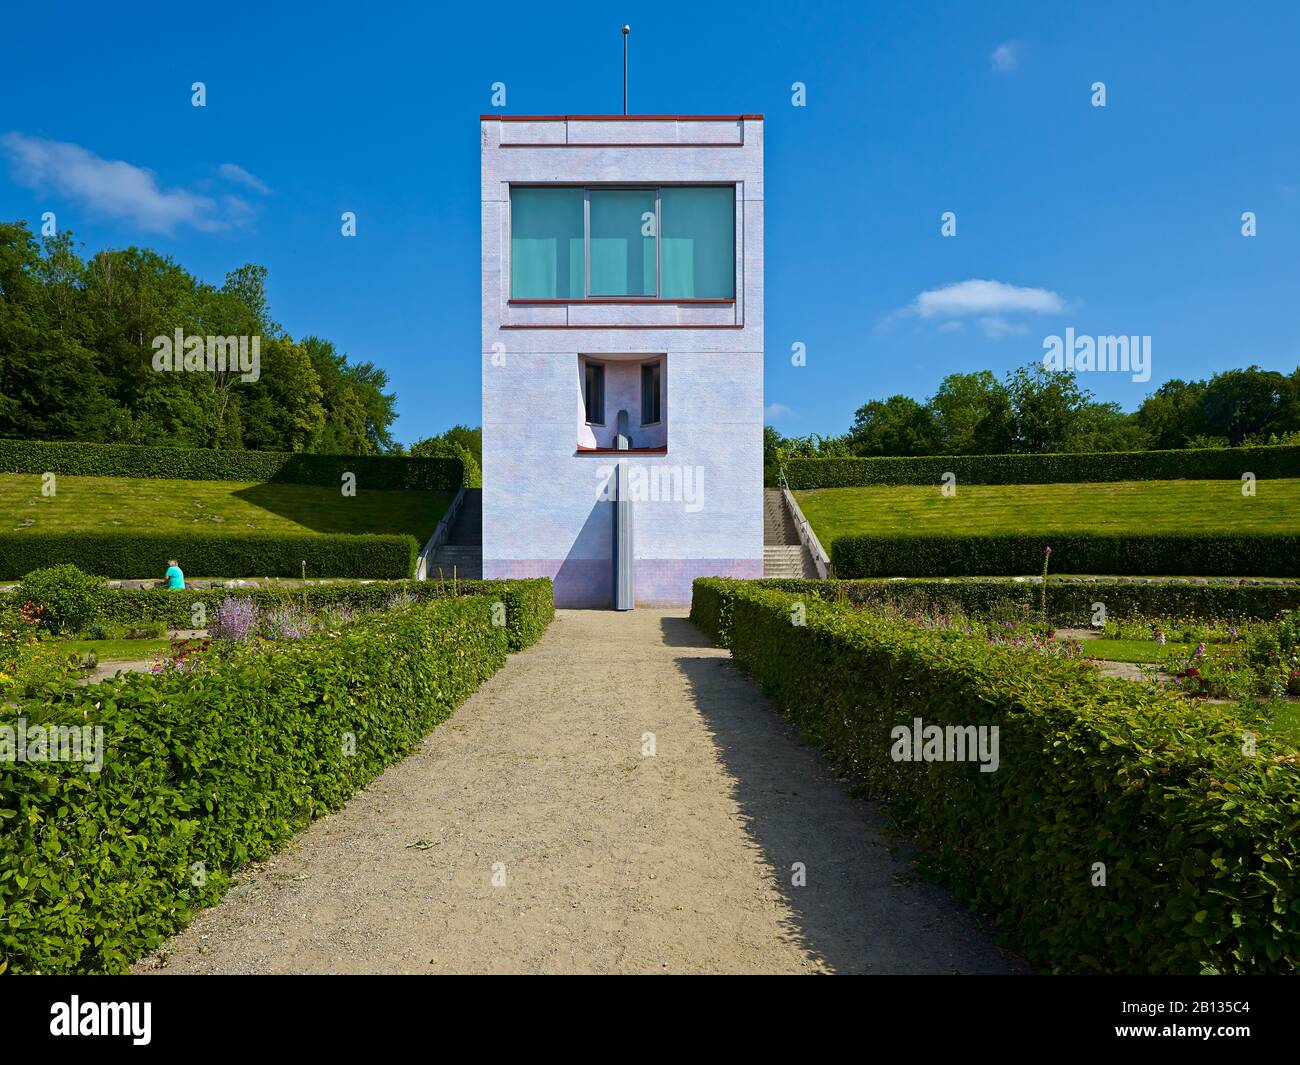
{"x": 777, "y": 410}
{"x": 995, "y": 326}
{"x": 992, "y": 305}
{"x": 236, "y": 173}
{"x": 116, "y": 189}
{"x": 1005, "y": 56}
{"x": 976, "y": 297}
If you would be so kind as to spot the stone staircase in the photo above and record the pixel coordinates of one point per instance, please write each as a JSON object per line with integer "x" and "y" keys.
{"x": 783, "y": 554}
{"x": 462, "y": 552}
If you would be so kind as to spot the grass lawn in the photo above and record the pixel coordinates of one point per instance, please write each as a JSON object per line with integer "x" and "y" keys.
{"x": 1279, "y": 716}
{"x": 117, "y": 650}
{"x": 1130, "y": 650}
{"x": 84, "y": 504}
{"x": 1123, "y": 506}
{"x": 1286, "y": 721}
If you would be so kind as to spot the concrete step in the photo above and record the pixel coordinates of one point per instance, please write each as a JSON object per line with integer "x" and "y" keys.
{"x": 464, "y": 562}
{"x": 786, "y": 560}
{"x": 778, "y": 525}
{"x": 467, "y": 529}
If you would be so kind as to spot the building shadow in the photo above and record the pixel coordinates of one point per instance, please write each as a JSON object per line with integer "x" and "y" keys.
{"x": 585, "y": 579}
{"x": 863, "y": 908}
{"x": 678, "y": 632}
{"x": 324, "y": 510}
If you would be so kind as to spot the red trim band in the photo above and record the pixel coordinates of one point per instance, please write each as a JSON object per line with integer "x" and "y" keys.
{"x": 597, "y": 325}
{"x": 662, "y": 450}
{"x": 597, "y": 301}
{"x": 620, "y": 118}
{"x": 625, "y": 144}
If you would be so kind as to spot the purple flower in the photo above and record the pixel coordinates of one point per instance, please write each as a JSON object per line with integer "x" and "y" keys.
{"x": 288, "y": 623}
{"x": 1049, "y": 550}
{"x": 236, "y": 619}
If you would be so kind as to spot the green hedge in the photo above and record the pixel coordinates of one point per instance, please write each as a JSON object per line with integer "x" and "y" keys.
{"x": 529, "y": 604}
{"x": 1069, "y": 599}
{"x": 1001, "y": 554}
{"x": 136, "y": 555}
{"x": 1198, "y": 464}
{"x": 1197, "y": 839}
{"x": 219, "y": 766}
{"x": 373, "y": 472}
{"x": 530, "y": 607}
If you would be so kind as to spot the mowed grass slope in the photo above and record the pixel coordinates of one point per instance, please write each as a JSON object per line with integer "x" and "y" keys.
{"x": 1125, "y": 506}
{"x": 101, "y": 504}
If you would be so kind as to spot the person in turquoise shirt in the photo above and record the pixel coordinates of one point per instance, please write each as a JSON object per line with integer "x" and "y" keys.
{"x": 174, "y": 577}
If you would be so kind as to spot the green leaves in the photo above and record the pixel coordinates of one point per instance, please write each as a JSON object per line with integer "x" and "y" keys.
{"x": 135, "y": 554}
{"x": 210, "y": 770}
{"x": 1197, "y": 840}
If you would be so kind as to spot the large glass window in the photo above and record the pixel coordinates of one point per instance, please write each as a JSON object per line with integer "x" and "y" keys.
{"x": 622, "y": 242}
{"x": 546, "y": 236}
{"x": 698, "y": 243}
{"x": 674, "y": 242}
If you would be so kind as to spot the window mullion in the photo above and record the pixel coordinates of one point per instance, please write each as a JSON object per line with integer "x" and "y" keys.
{"x": 658, "y": 247}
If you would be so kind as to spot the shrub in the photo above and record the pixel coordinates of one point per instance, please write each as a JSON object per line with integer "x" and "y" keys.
{"x": 70, "y": 599}
{"x": 220, "y": 766}
{"x": 373, "y": 472}
{"x": 1156, "y": 554}
{"x": 236, "y": 620}
{"x": 29, "y": 666}
{"x": 1070, "y": 600}
{"x": 529, "y": 605}
{"x": 1197, "y": 837}
{"x": 135, "y": 555}
{"x": 1200, "y": 464}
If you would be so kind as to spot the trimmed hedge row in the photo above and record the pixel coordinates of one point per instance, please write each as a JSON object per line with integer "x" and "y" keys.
{"x": 1197, "y": 839}
{"x": 373, "y": 472}
{"x": 529, "y": 604}
{"x": 133, "y": 555}
{"x": 1070, "y": 600}
{"x": 1194, "y": 464}
{"x": 209, "y": 770}
{"x": 999, "y": 554}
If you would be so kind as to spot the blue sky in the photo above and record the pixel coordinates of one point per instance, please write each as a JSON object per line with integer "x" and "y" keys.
{"x": 1125, "y": 219}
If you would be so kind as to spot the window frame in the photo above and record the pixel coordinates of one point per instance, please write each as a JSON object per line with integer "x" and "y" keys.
{"x": 587, "y": 190}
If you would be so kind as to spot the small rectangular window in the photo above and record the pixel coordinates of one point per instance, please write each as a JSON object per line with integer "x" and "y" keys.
{"x": 594, "y": 393}
{"x": 649, "y": 393}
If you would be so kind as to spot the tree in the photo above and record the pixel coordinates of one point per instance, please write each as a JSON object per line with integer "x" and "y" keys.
{"x": 898, "y": 426}
{"x": 287, "y": 414}
{"x": 1105, "y": 427}
{"x": 1045, "y": 405}
{"x": 1241, "y": 404}
{"x": 454, "y": 443}
{"x": 77, "y": 358}
{"x": 1171, "y": 415}
{"x": 972, "y": 414}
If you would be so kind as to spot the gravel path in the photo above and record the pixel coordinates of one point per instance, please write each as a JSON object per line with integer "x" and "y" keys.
{"x": 612, "y": 861}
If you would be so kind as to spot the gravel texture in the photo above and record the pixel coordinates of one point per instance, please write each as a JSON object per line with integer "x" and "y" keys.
{"x": 614, "y": 861}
